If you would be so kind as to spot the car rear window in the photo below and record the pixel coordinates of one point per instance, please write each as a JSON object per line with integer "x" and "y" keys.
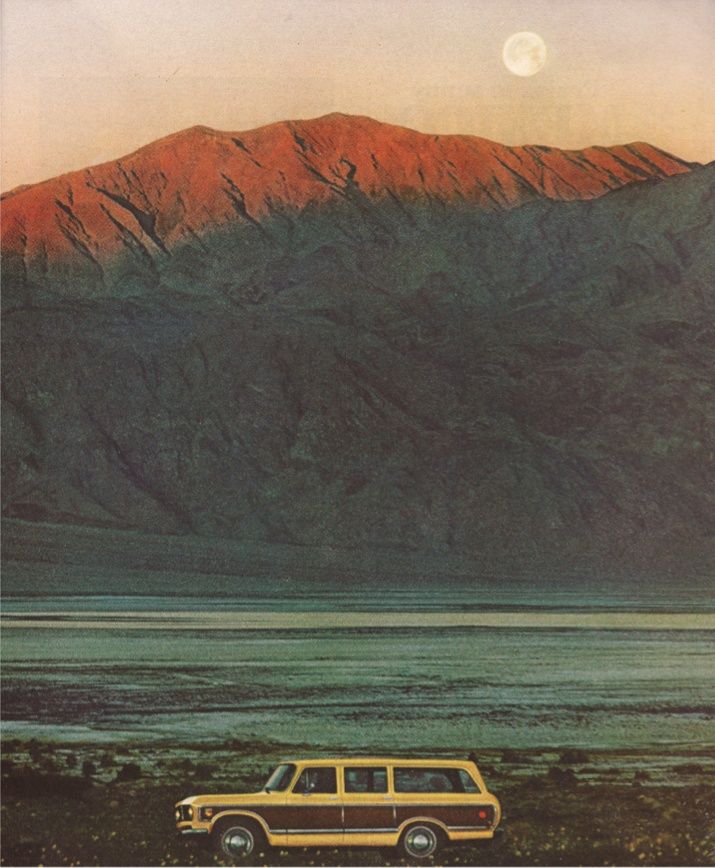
{"x": 317, "y": 779}
{"x": 433, "y": 780}
{"x": 366, "y": 780}
{"x": 468, "y": 782}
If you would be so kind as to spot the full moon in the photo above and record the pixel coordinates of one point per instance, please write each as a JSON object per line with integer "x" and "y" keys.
{"x": 524, "y": 53}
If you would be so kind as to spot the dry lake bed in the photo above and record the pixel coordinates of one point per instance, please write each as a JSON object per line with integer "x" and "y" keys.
{"x": 593, "y": 719}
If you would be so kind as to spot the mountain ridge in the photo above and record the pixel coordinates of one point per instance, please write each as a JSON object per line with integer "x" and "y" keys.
{"x": 396, "y": 377}
{"x": 522, "y": 386}
{"x": 205, "y": 130}
{"x": 170, "y": 191}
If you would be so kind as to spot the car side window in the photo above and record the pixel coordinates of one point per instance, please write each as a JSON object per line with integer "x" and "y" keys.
{"x": 428, "y": 780}
{"x": 366, "y": 780}
{"x": 317, "y": 779}
{"x": 468, "y": 783}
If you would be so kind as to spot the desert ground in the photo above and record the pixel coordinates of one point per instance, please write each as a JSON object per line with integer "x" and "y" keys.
{"x": 112, "y": 804}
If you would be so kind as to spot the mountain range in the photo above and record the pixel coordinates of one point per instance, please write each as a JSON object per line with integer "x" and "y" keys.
{"x": 343, "y": 336}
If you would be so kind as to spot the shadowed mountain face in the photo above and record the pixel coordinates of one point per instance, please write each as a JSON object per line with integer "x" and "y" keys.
{"x": 342, "y": 334}
{"x": 142, "y": 218}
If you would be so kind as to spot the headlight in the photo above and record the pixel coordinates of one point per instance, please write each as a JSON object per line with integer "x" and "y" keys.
{"x": 190, "y": 813}
{"x": 177, "y": 814}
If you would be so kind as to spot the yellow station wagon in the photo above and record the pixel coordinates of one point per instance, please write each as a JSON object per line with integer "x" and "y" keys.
{"x": 416, "y": 805}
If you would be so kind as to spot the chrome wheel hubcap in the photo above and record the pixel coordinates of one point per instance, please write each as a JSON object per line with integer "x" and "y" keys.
{"x": 238, "y": 842}
{"x": 421, "y": 842}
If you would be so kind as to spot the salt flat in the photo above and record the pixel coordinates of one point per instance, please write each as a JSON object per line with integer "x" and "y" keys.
{"x": 131, "y": 620}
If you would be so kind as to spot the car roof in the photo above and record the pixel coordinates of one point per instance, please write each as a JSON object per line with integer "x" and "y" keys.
{"x": 369, "y": 761}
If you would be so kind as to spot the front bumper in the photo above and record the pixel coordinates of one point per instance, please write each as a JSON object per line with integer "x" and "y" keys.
{"x": 192, "y": 831}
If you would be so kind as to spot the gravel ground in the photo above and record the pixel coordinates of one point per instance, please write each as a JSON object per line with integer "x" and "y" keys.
{"x": 75, "y": 804}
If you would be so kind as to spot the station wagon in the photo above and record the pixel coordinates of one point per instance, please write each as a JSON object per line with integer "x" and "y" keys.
{"x": 417, "y": 805}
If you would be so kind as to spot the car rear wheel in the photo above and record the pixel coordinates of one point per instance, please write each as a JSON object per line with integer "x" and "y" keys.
{"x": 420, "y": 841}
{"x": 238, "y": 841}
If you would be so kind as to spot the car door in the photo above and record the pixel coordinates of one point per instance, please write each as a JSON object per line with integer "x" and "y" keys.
{"x": 313, "y": 813}
{"x": 368, "y": 806}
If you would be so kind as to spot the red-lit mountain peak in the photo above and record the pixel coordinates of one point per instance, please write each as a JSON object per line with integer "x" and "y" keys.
{"x": 193, "y": 181}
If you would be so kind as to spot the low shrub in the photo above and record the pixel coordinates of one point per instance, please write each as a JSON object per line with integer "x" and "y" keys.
{"x": 563, "y": 777}
{"x": 573, "y": 757}
{"x": 129, "y": 772}
{"x": 28, "y": 782}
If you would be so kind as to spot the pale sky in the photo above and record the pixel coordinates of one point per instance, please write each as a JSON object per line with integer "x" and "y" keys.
{"x": 85, "y": 81}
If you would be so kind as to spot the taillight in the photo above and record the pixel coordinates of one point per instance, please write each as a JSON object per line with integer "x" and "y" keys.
{"x": 485, "y": 815}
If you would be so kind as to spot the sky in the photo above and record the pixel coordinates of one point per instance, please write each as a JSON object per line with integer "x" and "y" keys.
{"x": 84, "y": 81}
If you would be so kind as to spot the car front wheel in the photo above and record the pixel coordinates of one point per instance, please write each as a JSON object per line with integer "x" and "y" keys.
{"x": 420, "y": 841}
{"x": 238, "y": 841}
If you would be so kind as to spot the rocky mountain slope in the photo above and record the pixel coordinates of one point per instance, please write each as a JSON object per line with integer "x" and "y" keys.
{"x": 338, "y": 334}
{"x": 140, "y": 217}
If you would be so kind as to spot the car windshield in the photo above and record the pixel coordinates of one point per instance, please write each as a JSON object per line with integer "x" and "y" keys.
{"x": 280, "y": 778}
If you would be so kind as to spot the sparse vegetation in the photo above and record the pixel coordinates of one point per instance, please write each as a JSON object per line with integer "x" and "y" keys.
{"x": 572, "y": 757}
{"x": 513, "y": 757}
{"x": 64, "y": 819}
{"x": 129, "y": 772}
{"x": 563, "y": 777}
